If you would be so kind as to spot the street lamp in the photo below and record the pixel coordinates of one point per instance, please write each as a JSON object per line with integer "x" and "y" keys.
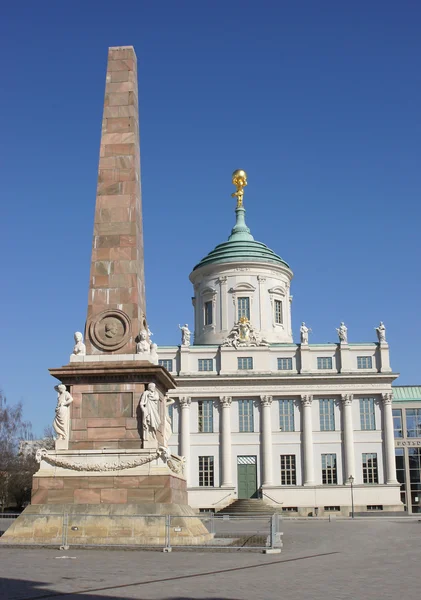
{"x": 351, "y": 481}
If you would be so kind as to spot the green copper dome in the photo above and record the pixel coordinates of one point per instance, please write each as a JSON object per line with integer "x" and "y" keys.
{"x": 241, "y": 247}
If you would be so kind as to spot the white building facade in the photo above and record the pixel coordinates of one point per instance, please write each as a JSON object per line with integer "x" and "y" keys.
{"x": 258, "y": 415}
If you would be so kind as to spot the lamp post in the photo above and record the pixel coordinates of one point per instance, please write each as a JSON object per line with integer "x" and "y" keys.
{"x": 351, "y": 481}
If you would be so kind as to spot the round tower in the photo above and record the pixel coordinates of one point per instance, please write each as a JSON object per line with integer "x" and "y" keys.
{"x": 241, "y": 279}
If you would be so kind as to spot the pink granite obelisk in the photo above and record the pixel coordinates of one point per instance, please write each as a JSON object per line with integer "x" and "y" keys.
{"x": 116, "y": 302}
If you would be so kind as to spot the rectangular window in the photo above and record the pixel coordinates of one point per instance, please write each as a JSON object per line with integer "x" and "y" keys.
{"x": 374, "y": 506}
{"x": 327, "y": 414}
{"x": 332, "y": 508}
{"x": 286, "y": 415}
{"x": 284, "y": 364}
{"x": 288, "y": 474}
{"x": 413, "y": 422}
{"x": 278, "y": 312}
{"x": 205, "y": 416}
{"x": 397, "y": 422}
{"x": 205, "y": 364}
{"x": 364, "y": 362}
{"x": 245, "y": 363}
{"x": 167, "y": 363}
{"x": 370, "y": 474}
{"x": 208, "y": 313}
{"x": 206, "y": 471}
{"x": 243, "y": 308}
{"x": 367, "y": 418}
{"x": 329, "y": 474}
{"x": 245, "y": 415}
{"x": 324, "y": 362}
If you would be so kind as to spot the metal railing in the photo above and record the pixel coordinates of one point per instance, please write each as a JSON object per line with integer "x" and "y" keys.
{"x": 148, "y": 531}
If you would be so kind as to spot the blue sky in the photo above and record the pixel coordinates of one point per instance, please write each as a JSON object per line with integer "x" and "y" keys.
{"x": 318, "y": 101}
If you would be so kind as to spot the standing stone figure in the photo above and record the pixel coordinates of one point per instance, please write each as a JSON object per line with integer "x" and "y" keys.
{"x": 79, "y": 347}
{"x": 154, "y": 354}
{"x": 304, "y": 331}
{"x": 143, "y": 346}
{"x": 149, "y": 406}
{"x": 62, "y": 418}
{"x": 343, "y": 333}
{"x": 185, "y": 335}
{"x": 381, "y": 332}
{"x": 168, "y": 427}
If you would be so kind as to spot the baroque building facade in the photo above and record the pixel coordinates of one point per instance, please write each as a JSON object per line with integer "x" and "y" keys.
{"x": 306, "y": 426}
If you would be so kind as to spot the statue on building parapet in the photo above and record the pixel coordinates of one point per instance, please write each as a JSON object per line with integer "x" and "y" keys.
{"x": 243, "y": 334}
{"x": 79, "y": 348}
{"x": 342, "y": 333}
{"x": 62, "y": 416}
{"x": 381, "y": 332}
{"x": 304, "y": 331}
{"x": 149, "y": 407}
{"x": 185, "y": 335}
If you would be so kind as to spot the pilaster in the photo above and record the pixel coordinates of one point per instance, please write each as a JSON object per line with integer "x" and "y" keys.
{"x": 384, "y": 357}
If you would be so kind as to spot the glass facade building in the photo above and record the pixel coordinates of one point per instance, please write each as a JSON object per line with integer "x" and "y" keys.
{"x": 407, "y": 429}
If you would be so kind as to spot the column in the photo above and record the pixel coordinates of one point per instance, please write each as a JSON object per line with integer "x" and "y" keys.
{"x": 185, "y": 402}
{"x": 267, "y": 476}
{"x": 389, "y": 438}
{"x": 226, "y": 466}
{"x": 348, "y": 436}
{"x": 308, "y": 478}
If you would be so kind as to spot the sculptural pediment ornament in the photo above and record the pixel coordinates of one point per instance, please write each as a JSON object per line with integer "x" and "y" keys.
{"x": 243, "y": 334}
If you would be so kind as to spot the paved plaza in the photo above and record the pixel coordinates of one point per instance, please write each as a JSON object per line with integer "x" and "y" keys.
{"x": 340, "y": 560}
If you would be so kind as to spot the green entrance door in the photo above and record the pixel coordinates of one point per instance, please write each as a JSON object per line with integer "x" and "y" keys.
{"x": 247, "y": 476}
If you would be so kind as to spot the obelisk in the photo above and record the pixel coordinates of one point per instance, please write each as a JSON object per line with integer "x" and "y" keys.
{"x": 111, "y": 478}
{"x": 116, "y": 302}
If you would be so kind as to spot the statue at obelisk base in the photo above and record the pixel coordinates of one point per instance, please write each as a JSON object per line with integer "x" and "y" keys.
{"x": 112, "y": 457}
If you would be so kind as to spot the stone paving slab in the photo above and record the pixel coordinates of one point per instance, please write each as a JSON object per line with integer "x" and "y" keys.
{"x": 341, "y": 560}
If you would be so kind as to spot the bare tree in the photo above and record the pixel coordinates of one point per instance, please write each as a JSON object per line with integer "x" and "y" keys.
{"x": 15, "y": 470}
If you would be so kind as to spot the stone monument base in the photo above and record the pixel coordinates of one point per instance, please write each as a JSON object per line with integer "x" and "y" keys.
{"x": 141, "y": 524}
{"x": 109, "y": 497}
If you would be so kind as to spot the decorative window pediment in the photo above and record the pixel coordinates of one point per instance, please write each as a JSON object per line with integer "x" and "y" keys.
{"x": 242, "y": 287}
{"x": 208, "y": 291}
{"x": 277, "y": 290}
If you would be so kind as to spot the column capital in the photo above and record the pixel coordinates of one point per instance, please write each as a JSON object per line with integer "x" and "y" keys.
{"x": 185, "y": 401}
{"x": 347, "y": 399}
{"x": 387, "y": 398}
{"x": 261, "y": 278}
{"x": 225, "y": 401}
{"x": 306, "y": 399}
{"x": 222, "y": 279}
{"x": 266, "y": 400}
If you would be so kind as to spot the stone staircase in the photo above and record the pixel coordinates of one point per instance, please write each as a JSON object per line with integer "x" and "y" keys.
{"x": 249, "y": 506}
